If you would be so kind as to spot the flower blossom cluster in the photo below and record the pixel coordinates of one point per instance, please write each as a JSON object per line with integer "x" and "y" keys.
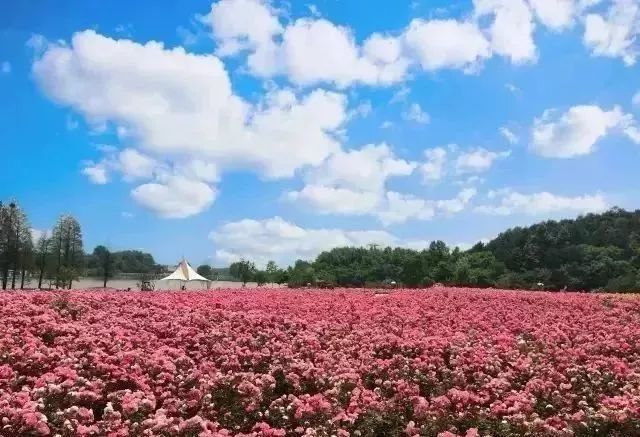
{"x": 442, "y": 362}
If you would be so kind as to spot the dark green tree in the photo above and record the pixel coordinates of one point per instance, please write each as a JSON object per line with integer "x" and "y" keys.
{"x": 242, "y": 270}
{"x": 105, "y": 263}
{"x": 205, "y": 270}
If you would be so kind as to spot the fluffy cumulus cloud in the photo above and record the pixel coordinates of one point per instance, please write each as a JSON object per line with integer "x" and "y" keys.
{"x": 175, "y": 196}
{"x": 171, "y": 103}
{"x": 229, "y": 20}
{"x": 367, "y": 168}
{"x": 312, "y": 49}
{"x": 511, "y": 32}
{"x": 354, "y": 183}
{"x": 284, "y": 242}
{"x": 615, "y": 32}
{"x": 336, "y": 200}
{"x": 555, "y": 14}
{"x": 437, "y": 44}
{"x": 308, "y": 50}
{"x": 388, "y": 207}
{"x": 440, "y": 161}
{"x": 508, "y": 202}
{"x": 477, "y": 160}
{"x": 97, "y": 173}
{"x": 577, "y": 131}
{"x": 433, "y": 168}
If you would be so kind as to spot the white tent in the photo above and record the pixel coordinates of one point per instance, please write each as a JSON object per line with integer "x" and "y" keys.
{"x": 185, "y": 273}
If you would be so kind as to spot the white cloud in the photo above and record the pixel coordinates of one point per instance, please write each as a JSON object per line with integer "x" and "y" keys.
{"x": 416, "y": 114}
{"x": 477, "y": 160}
{"x": 319, "y": 51}
{"x": 555, "y": 14}
{"x": 354, "y": 183}
{"x": 511, "y": 202}
{"x": 367, "y": 168}
{"x": 311, "y": 50}
{"x": 511, "y": 31}
{"x": 199, "y": 169}
{"x": 389, "y": 207}
{"x": 398, "y": 208}
{"x": 615, "y": 34}
{"x": 336, "y": 200}
{"x": 180, "y": 108}
{"x": 135, "y": 165}
{"x": 307, "y": 51}
{"x": 284, "y": 242}
{"x": 172, "y": 102}
{"x": 5, "y": 67}
{"x": 577, "y": 131}
{"x": 438, "y": 44}
{"x": 242, "y": 24}
{"x": 96, "y": 173}
{"x": 433, "y": 167}
{"x": 509, "y": 135}
{"x": 175, "y": 197}
{"x": 439, "y": 162}
{"x": 458, "y": 203}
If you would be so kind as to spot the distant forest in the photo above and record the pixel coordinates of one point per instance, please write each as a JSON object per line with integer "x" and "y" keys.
{"x": 592, "y": 252}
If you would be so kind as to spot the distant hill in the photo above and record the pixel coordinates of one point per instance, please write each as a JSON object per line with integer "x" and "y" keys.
{"x": 594, "y": 251}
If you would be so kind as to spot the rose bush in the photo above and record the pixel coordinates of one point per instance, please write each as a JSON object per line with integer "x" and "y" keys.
{"x": 438, "y": 362}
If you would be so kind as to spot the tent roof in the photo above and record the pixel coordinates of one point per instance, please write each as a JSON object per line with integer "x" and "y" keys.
{"x": 184, "y": 272}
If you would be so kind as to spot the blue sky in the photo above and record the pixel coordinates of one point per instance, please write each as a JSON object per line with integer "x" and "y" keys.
{"x": 275, "y": 130}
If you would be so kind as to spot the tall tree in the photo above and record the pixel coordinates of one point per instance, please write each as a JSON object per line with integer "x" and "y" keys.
{"x": 271, "y": 271}
{"x": 105, "y": 263}
{"x": 242, "y": 270}
{"x": 26, "y": 256}
{"x": 205, "y": 270}
{"x": 67, "y": 247}
{"x": 41, "y": 256}
{"x": 15, "y": 242}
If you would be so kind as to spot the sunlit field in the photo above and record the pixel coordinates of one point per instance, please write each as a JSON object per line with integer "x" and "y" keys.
{"x": 438, "y": 362}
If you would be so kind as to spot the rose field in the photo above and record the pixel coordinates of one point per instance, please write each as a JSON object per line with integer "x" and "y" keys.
{"x": 437, "y": 362}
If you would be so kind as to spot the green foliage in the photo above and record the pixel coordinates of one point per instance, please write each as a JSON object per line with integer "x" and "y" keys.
{"x": 301, "y": 274}
{"x": 67, "y": 250}
{"x": 205, "y": 270}
{"x": 16, "y": 244}
{"x": 260, "y": 277}
{"x": 105, "y": 263}
{"x": 242, "y": 270}
{"x": 593, "y": 252}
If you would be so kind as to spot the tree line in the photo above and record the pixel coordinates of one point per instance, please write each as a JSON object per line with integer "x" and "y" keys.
{"x": 57, "y": 258}
{"x": 592, "y": 252}
{"x": 57, "y": 255}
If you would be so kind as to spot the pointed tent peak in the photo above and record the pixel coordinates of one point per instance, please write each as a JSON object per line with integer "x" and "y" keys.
{"x": 184, "y": 272}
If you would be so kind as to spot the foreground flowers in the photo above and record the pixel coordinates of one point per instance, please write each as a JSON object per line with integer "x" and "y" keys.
{"x": 444, "y": 362}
